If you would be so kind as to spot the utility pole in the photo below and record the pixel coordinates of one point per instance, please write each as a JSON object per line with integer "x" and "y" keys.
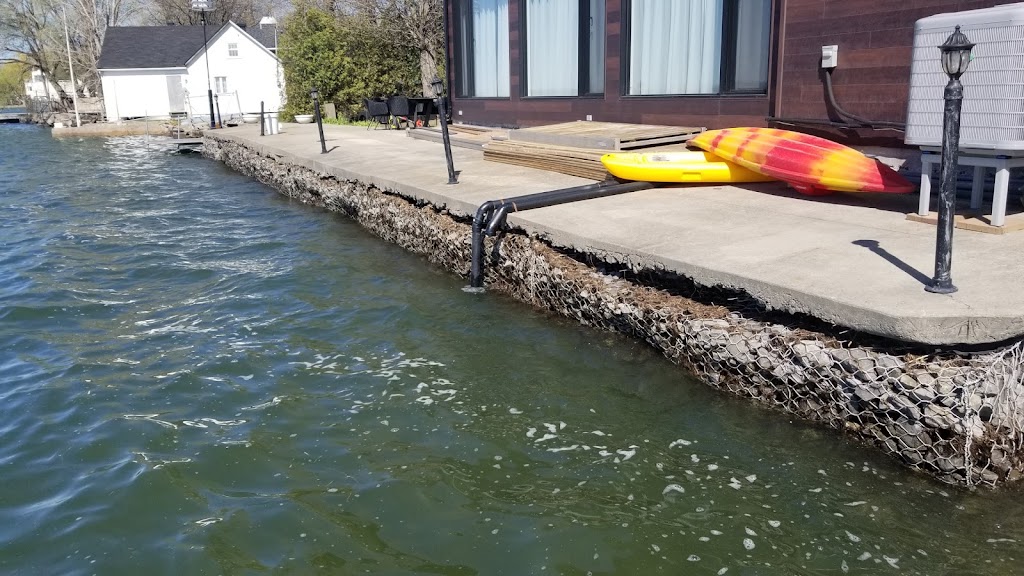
{"x": 71, "y": 67}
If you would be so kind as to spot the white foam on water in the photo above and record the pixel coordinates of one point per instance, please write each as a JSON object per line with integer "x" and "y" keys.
{"x": 151, "y": 418}
{"x": 673, "y": 488}
{"x": 627, "y": 453}
{"x": 223, "y": 422}
{"x": 272, "y": 402}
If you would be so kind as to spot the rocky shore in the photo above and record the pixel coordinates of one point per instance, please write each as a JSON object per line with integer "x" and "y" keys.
{"x": 958, "y": 416}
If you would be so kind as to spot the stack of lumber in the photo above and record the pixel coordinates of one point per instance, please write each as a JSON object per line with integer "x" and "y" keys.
{"x": 610, "y": 136}
{"x": 460, "y": 135}
{"x": 582, "y": 162}
{"x": 575, "y": 148}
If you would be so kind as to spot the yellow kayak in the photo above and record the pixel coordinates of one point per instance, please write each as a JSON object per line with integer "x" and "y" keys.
{"x": 696, "y": 166}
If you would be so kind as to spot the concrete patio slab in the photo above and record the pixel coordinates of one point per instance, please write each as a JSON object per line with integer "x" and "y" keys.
{"x": 850, "y": 259}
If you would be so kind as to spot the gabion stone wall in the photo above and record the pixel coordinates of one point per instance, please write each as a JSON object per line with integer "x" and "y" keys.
{"x": 956, "y": 416}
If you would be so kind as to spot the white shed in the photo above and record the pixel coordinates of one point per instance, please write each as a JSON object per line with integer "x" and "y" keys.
{"x": 162, "y": 71}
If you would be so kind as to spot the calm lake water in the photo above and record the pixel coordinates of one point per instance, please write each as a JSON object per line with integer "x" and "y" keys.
{"x": 198, "y": 376}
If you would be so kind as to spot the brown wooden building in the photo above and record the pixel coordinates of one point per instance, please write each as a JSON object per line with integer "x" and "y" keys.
{"x": 713, "y": 63}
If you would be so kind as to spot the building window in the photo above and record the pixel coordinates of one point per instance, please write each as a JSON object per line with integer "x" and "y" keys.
{"x": 482, "y": 48}
{"x": 558, "y": 63}
{"x": 220, "y": 84}
{"x": 699, "y": 46}
{"x": 233, "y": 49}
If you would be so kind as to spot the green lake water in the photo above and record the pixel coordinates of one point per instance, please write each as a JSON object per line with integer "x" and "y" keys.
{"x": 198, "y": 376}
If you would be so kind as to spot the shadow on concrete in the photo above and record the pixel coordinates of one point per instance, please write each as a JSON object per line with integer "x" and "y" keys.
{"x": 892, "y": 259}
{"x": 899, "y": 203}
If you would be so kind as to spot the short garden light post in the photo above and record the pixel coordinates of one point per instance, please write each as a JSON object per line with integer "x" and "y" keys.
{"x": 315, "y": 95}
{"x": 204, "y": 6}
{"x": 956, "y": 56}
{"x": 220, "y": 121}
{"x": 438, "y": 87}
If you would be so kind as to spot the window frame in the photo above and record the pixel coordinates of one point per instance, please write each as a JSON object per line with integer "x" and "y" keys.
{"x": 582, "y": 54}
{"x": 727, "y": 68}
{"x": 220, "y": 82}
{"x": 462, "y": 32}
{"x": 233, "y": 46}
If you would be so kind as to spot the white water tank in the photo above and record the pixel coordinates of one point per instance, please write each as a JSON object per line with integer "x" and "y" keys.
{"x": 993, "y": 105}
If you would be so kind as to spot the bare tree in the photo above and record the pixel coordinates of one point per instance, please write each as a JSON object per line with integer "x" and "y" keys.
{"x": 246, "y": 12}
{"x": 31, "y": 32}
{"x": 413, "y": 23}
{"x": 88, "y": 20}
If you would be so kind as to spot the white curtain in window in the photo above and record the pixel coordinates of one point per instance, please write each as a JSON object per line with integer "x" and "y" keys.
{"x": 676, "y": 46}
{"x": 752, "y": 45}
{"x": 490, "y": 48}
{"x": 597, "y": 19}
{"x": 552, "y": 47}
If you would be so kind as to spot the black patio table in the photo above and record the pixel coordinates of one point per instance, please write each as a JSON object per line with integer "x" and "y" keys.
{"x": 422, "y": 106}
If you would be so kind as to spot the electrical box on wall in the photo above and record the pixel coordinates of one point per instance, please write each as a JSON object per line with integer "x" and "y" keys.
{"x": 993, "y": 104}
{"x": 829, "y": 56}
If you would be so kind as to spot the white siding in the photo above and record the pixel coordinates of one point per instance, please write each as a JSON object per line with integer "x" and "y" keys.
{"x": 135, "y": 93}
{"x": 252, "y": 76}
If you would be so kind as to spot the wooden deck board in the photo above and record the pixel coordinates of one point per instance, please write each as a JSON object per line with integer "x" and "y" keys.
{"x": 575, "y": 148}
{"x": 604, "y": 135}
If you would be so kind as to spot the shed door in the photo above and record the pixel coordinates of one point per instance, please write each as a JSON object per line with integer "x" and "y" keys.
{"x": 175, "y": 95}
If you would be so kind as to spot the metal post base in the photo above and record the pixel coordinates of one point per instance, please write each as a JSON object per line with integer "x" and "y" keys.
{"x": 940, "y": 287}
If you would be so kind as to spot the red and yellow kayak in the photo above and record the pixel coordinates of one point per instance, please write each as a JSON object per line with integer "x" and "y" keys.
{"x": 810, "y": 164}
{"x": 697, "y": 166}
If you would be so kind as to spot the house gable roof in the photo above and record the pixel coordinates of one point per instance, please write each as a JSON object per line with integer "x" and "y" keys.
{"x": 133, "y": 47}
{"x": 223, "y": 30}
{"x": 265, "y": 35}
{"x": 149, "y": 46}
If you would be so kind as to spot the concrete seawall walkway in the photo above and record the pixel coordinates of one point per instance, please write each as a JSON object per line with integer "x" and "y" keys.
{"x": 849, "y": 259}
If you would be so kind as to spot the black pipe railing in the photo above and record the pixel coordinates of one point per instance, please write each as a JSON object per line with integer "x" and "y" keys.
{"x": 490, "y": 216}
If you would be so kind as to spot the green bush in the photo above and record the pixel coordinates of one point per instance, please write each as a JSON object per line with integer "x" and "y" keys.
{"x": 344, "y": 58}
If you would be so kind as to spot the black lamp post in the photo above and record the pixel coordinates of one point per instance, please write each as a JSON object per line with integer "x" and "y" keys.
{"x": 220, "y": 121}
{"x": 315, "y": 95}
{"x": 204, "y": 6}
{"x": 438, "y": 87}
{"x": 956, "y": 56}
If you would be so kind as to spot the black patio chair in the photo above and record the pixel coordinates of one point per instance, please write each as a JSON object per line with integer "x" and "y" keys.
{"x": 400, "y": 110}
{"x": 377, "y": 113}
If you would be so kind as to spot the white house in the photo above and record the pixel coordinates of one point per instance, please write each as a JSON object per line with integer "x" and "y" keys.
{"x": 161, "y": 71}
{"x": 39, "y": 86}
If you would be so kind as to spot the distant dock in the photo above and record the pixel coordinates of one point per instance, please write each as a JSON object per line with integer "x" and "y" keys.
{"x": 14, "y": 117}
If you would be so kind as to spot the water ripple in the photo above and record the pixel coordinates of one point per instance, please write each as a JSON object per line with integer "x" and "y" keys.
{"x": 198, "y": 376}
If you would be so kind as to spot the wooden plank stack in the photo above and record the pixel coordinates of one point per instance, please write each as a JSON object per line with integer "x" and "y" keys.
{"x": 582, "y": 162}
{"x": 575, "y": 148}
{"x": 460, "y": 135}
{"x": 604, "y": 135}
